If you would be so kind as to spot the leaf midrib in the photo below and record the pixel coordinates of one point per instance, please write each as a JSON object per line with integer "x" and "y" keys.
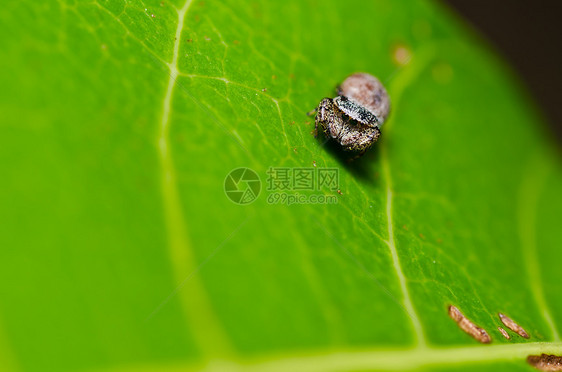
{"x": 209, "y": 335}
{"x": 340, "y": 360}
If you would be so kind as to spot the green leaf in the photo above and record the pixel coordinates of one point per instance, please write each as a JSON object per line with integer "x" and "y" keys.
{"x": 121, "y": 251}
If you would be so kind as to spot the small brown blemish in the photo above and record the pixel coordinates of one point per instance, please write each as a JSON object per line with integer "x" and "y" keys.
{"x": 401, "y": 55}
{"x": 274, "y": 77}
{"x": 314, "y": 163}
{"x": 307, "y": 123}
{"x": 339, "y": 192}
{"x": 405, "y": 227}
{"x": 422, "y": 236}
{"x": 153, "y": 16}
{"x": 264, "y": 90}
{"x": 439, "y": 241}
{"x": 207, "y": 38}
{"x": 509, "y": 323}
{"x": 292, "y": 123}
{"x": 291, "y": 76}
{"x": 162, "y": 3}
{"x": 236, "y": 42}
{"x": 295, "y": 150}
{"x": 466, "y": 325}
{"x": 545, "y": 362}
{"x": 189, "y": 40}
{"x": 504, "y": 333}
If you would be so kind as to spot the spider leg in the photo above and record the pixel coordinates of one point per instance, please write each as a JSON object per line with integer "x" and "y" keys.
{"x": 316, "y": 128}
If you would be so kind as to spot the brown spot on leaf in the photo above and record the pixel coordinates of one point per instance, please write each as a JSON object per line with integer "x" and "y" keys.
{"x": 545, "y": 362}
{"x": 401, "y": 54}
{"x": 466, "y": 325}
{"x": 504, "y": 333}
{"x": 509, "y": 323}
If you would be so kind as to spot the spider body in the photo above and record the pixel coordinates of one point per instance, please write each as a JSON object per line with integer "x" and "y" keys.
{"x": 354, "y": 117}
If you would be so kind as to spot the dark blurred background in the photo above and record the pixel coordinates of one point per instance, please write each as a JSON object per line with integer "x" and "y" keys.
{"x": 528, "y": 34}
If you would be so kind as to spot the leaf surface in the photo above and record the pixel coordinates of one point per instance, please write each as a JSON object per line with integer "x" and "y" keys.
{"x": 121, "y": 251}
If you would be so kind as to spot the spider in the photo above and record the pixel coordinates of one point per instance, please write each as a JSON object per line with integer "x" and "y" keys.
{"x": 355, "y": 116}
